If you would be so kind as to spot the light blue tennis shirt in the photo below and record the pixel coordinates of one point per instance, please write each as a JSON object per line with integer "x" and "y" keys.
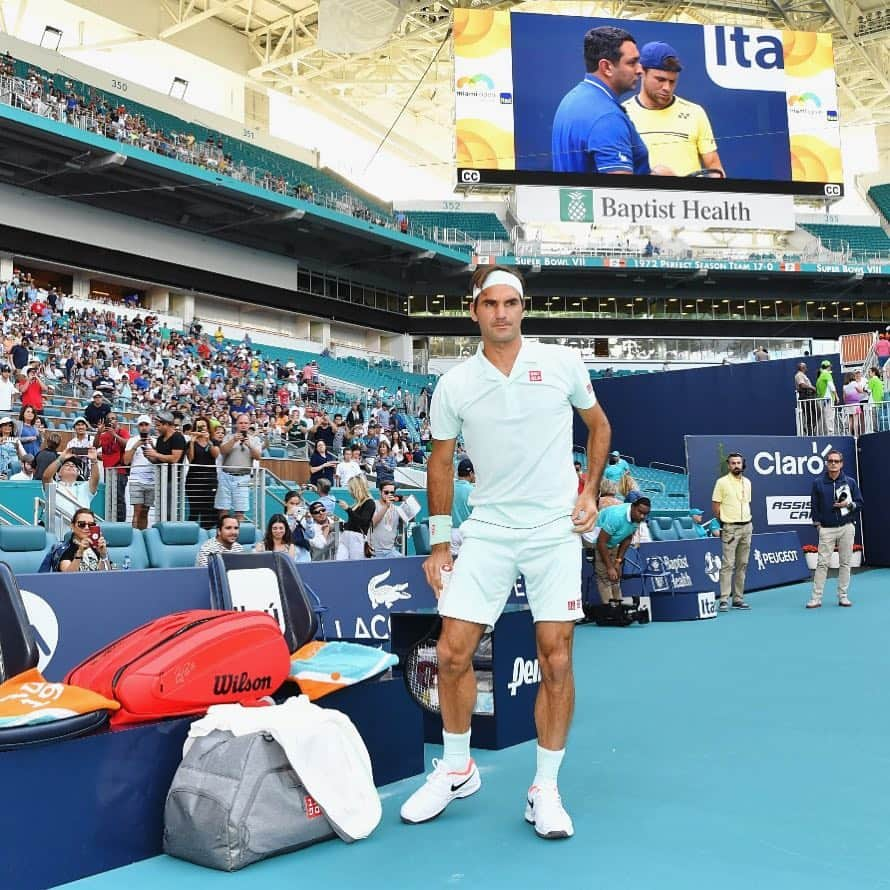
{"x": 592, "y": 133}
{"x": 518, "y": 429}
{"x": 615, "y": 522}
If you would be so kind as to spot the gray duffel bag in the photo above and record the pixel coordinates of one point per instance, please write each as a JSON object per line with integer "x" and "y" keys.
{"x": 235, "y": 800}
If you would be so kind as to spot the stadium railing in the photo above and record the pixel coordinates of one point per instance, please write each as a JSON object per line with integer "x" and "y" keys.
{"x": 818, "y": 417}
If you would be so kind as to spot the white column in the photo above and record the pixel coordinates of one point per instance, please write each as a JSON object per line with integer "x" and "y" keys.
{"x": 80, "y": 284}
{"x": 6, "y": 265}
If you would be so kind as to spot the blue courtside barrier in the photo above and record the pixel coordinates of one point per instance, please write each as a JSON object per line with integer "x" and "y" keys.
{"x": 683, "y": 577}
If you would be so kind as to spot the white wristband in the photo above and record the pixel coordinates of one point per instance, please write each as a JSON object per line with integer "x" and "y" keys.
{"x": 440, "y": 529}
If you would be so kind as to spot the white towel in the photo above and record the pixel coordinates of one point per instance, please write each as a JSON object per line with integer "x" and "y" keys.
{"x": 325, "y": 750}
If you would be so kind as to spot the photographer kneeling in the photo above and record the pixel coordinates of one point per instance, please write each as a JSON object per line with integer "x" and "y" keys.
{"x": 615, "y": 527}
{"x": 87, "y": 551}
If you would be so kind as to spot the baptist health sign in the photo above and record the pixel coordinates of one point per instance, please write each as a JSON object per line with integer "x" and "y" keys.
{"x": 620, "y": 208}
{"x": 781, "y": 470}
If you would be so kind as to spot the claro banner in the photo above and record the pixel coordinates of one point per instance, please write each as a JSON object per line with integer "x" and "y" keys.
{"x": 781, "y": 470}
{"x": 613, "y": 208}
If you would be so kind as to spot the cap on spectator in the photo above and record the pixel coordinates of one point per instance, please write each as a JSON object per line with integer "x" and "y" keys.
{"x": 825, "y": 364}
{"x": 465, "y": 467}
{"x": 615, "y": 454}
{"x": 696, "y": 512}
{"x": 655, "y": 55}
{"x": 97, "y": 393}
{"x": 5, "y": 419}
{"x": 633, "y": 495}
{"x": 164, "y": 417}
{"x": 82, "y": 420}
{"x": 143, "y": 418}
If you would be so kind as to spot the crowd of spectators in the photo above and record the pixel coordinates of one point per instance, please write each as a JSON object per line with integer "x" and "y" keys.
{"x": 137, "y": 393}
{"x": 97, "y": 113}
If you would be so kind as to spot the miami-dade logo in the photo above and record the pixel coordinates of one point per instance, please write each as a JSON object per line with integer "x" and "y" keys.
{"x": 381, "y": 594}
{"x": 44, "y": 626}
{"x": 713, "y": 564}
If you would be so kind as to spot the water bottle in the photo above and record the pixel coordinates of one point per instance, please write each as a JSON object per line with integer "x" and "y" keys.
{"x": 125, "y": 565}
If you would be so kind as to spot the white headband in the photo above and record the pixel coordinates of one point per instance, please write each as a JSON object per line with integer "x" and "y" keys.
{"x": 500, "y": 276}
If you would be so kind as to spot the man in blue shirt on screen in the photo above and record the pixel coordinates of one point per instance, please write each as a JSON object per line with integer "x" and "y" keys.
{"x": 592, "y": 133}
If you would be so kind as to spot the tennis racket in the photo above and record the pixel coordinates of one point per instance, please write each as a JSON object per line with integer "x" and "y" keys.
{"x": 421, "y": 671}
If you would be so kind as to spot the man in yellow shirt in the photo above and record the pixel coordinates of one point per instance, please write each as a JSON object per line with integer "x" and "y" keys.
{"x": 677, "y": 132}
{"x": 731, "y": 502}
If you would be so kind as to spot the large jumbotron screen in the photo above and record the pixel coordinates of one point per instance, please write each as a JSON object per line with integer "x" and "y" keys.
{"x": 768, "y": 97}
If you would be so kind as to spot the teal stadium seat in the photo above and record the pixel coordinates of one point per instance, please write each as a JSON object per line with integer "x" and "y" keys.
{"x": 23, "y": 547}
{"x": 123, "y": 540}
{"x": 248, "y": 536}
{"x": 420, "y": 534}
{"x": 173, "y": 545}
{"x": 686, "y": 528}
{"x": 662, "y": 528}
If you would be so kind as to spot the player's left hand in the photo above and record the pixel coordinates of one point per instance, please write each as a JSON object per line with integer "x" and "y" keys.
{"x": 585, "y": 513}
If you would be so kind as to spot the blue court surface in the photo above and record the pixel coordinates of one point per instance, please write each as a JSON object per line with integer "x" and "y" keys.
{"x": 752, "y": 750}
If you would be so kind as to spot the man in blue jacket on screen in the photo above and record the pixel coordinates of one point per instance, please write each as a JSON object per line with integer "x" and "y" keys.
{"x": 835, "y": 502}
{"x": 592, "y": 132}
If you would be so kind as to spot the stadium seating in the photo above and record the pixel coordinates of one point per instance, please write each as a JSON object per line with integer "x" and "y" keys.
{"x": 858, "y": 239}
{"x": 321, "y": 181}
{"x": 662, "y": 528}
{"x": 480, "y": 226}
{"x": 174, "y": 545}
{"x": 686, "y": 528}
{"x": 23, "y": 547}
{"x": 880, "y": 195}
{"x": 123, "y": 540}
{"x": 248, "y": 537}
{"x": 420, "y": 533}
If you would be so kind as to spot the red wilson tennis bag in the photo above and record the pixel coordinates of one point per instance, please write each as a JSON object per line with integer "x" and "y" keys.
{"x": 182, "y": 663}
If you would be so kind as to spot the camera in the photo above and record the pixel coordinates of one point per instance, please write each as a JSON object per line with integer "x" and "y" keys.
{"x": 621, "y": 614}
{"x": 80, "y": 452}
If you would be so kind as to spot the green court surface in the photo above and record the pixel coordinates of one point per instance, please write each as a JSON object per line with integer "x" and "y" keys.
{"x": 747, "y": 751}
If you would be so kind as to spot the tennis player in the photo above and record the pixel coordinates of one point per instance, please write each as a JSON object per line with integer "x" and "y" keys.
{"x": 512, "y": 403}
{"x": 677, "y": 132}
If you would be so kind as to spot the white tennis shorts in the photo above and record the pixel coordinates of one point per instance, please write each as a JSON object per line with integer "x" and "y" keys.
{"x": 492, "y": 558}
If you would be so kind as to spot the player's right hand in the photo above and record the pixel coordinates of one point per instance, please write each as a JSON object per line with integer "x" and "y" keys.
{"x": 439, "y": 558}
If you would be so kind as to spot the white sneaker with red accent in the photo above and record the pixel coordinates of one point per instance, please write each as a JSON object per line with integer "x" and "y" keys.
{"x": 441, "y": 787}
{"x": 545, "y": 811}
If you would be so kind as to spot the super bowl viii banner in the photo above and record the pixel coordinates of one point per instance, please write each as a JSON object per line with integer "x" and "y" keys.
{"x": 781, "y": 470}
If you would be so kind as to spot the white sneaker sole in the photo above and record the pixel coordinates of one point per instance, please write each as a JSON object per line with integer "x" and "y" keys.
{"x": 548, "y": 835}
{"x": 467, "y": 790}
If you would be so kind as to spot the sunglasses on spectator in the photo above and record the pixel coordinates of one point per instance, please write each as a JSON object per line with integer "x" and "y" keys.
{"x": 81, "y": 524}
{"x": 318, "y": 510}
{"x": 833, "y": 460}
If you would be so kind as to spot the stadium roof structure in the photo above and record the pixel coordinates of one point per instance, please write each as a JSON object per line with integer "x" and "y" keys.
{"x": 402, "y": 89}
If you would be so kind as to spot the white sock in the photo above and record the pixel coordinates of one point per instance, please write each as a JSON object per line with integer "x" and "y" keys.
{"x": 457, "y": 750}
{"x": 548, "y": 767}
